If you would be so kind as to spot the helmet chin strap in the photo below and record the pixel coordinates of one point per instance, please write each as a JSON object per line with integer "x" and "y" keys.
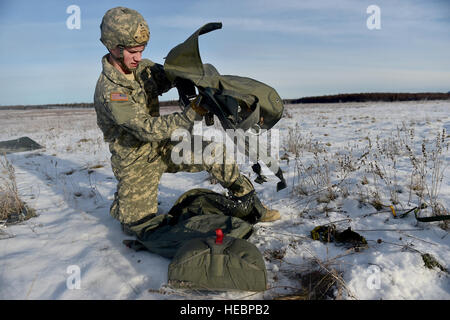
{"x": 121, "y": 60}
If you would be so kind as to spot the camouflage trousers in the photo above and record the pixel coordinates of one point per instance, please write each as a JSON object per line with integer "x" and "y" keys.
{"x": 137, "y": 190}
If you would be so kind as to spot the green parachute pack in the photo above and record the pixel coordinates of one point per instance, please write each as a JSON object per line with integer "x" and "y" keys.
{"x": 197, "y": 214}
{"x": 186, "y": 235}
{"x": 239, "y": 103}
{"x": 219, "y": 263}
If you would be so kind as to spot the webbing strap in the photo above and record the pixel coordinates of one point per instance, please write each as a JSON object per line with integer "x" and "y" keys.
{"x": 213, "y": 106}
{"x": 424, "y": 219}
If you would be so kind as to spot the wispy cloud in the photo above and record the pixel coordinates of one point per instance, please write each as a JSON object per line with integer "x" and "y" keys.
{"x": 299, "y": 47}
{"x": 289, "y": 26}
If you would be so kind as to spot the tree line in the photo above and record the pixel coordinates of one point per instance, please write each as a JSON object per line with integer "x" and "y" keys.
{"x": 374, "y": 96}
{"x": 72, "y": 105}
{"x": 346, "y": 97}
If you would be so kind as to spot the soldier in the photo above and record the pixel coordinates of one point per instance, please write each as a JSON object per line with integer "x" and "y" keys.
{"x": 127, "y": 107}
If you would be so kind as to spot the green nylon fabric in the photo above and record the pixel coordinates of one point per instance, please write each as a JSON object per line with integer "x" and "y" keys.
{"x": 204, "y": 264}
{"x": 238, "y": 102}
{"x": 258, "y": 99}
{"x": 197, "y": 214}
{"x": 19, "y": 145}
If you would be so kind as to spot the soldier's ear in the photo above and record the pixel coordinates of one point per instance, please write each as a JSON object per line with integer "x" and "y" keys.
{"x": 114, "y": 52}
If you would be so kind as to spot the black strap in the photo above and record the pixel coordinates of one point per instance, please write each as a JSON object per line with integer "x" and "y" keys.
{"x": 260, "y": 177}
{"x": 210, "y": 102}
{"x": 424, "y": 219}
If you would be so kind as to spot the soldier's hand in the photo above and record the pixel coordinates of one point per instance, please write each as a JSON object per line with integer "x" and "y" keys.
{"x": 196, "y": 106}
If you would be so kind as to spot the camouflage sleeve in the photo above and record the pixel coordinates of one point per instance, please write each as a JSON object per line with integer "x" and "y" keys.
{"x": 133, "y": 118}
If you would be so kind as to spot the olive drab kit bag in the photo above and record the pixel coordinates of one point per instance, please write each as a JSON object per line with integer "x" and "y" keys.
{"x": 186, "y": 234}
{"x": 218, "y": 263}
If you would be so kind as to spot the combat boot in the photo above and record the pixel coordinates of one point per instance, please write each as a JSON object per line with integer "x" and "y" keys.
{"x": 243, "y": 187}
{"x": 127, "y": 230}
{"x": 270, "y": 215}
{"x": 135, "y": 228}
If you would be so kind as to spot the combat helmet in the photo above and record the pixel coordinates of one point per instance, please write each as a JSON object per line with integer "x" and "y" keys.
{"x": 123, "y": 27}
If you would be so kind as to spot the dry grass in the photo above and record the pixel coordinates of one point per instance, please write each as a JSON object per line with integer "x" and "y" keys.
{"x": 316, "y": 285}
{"x": 385, "y": 168}
{"x": 319, "y": 281}
{"x": 12, "y": 208}
{"x": 427, "y": 175}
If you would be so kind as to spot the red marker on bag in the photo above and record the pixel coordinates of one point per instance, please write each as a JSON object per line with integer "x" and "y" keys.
{"x": 219, "y": 236}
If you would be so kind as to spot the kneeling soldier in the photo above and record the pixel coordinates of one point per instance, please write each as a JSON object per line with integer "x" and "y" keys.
{"x": 127, "y": 107}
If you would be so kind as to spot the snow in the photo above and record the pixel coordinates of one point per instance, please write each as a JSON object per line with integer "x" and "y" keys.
{"x": 71, "y": 186}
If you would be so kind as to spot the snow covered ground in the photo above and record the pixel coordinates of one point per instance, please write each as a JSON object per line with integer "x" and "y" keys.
{"x": 340, "y": 162}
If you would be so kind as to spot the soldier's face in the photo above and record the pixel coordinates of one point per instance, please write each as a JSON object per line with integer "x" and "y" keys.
{"x": 132, "y": 56}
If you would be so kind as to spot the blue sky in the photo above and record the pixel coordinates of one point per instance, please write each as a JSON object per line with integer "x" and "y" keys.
{"x": 301, "y": 48}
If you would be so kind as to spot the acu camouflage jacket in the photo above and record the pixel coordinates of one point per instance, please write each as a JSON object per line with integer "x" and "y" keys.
{"x": 128, "y": 112}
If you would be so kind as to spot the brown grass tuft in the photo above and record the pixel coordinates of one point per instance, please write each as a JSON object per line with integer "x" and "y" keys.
{"x": 316, "y": 285}
{"x": 12, "y": 208}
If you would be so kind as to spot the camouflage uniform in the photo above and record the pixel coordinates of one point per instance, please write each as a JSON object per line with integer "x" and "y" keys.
{"x": 139, "y": 139}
